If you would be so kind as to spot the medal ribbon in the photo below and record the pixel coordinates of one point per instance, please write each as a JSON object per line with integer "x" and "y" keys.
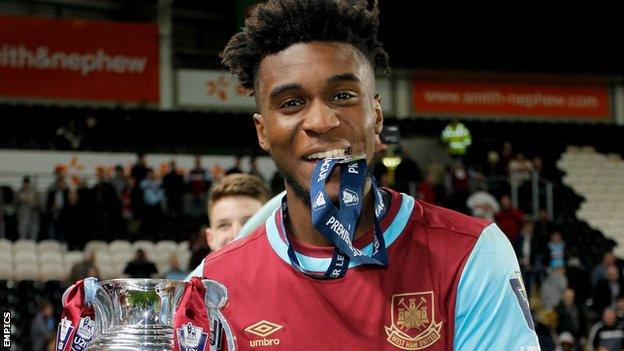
{"x": 338, "y": 225}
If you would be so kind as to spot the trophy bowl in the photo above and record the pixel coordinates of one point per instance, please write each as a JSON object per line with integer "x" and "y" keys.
{"x": 138, "y": 314}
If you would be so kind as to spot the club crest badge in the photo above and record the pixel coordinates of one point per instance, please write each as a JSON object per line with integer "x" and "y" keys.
{"x": 517, "y": 285}
{"x": 413, "y": 321}
{"x": 350, "y": 198}
{"x": 319, "y": 202}
{"x": 63, "y": 332}
{"x": 191, "y": 337}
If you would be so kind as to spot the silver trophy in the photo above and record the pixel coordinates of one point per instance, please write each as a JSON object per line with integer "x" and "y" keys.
{"x": 137, "y": 314}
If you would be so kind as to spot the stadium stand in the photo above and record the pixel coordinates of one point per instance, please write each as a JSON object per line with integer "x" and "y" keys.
{"x": 597, "y": 177}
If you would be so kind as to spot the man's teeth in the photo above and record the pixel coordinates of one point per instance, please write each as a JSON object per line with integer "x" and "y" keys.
{"x": 326, "y": 154}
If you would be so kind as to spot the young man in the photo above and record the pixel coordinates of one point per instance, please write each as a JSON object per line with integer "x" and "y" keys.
{"x": 231, "y": 203}
{"x": 343, "y": 265}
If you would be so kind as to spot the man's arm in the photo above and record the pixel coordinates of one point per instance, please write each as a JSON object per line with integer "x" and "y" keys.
{"x": 492, "y": 310}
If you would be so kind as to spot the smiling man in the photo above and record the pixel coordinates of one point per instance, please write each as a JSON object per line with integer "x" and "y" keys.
{"x": 343, "y": 264}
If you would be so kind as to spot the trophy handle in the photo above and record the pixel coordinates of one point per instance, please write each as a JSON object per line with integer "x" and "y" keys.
{"x": 216, "y": 298}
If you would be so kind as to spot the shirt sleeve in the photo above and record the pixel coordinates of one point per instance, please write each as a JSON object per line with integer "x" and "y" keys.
{"x": 492, "y": 310}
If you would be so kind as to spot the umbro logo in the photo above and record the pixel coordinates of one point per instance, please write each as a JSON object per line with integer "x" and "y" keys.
{"x": 263, "y": 329}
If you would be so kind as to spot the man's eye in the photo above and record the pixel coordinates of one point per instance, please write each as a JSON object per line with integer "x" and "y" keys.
{"x": 223, "y": 226}
{"x": 343, "y": 96}
{"x": 292, "y": 103}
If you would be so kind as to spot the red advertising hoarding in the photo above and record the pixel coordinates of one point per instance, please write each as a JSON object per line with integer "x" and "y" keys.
{"x": 78, "y": 60}
{"x": 517, "y": 100}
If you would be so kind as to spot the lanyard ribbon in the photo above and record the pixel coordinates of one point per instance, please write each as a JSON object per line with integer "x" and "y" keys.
{"x": 338, "y": 224}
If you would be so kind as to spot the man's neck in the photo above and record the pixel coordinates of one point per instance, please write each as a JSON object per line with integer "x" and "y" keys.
{"x": 299, "y": 222}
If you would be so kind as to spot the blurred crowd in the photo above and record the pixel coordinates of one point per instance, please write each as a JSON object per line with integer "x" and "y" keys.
{"x": 133, "y": 203}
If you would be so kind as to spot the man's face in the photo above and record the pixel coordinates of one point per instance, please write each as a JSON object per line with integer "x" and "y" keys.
{"x": 568, "y": 297}
{"x": 609, "y": 317}
{"x": 316, "y": 99}
{"x": 227, "y": 216}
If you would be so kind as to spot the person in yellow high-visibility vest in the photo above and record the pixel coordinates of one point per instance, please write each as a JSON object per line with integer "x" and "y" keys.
{"x": 457, "y": 137}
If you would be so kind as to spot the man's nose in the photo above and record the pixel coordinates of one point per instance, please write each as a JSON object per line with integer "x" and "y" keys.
{"x": 236, "y": 227}
{"x": 320, "y": 119}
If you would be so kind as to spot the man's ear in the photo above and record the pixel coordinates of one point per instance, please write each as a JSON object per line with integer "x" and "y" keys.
{"x": 378, "y": 115}
{"x": 260, "y": 132}
{"x": 209, "y": 237}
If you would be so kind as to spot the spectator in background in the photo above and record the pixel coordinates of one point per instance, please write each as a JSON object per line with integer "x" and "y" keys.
{"x": 173, "y": 183}
{"x": 619, "y": 310}
{"x": 27, "y": 206}
{"x": 607, "y": 290}
{"x": 136, "y": 204}
{"x": 600, "y": 270}
{"x": 426, "y": 189}
{"x": 520, "y": 168}
{"x": 174, "y": 272}
{"x": 579, "y": 281}
{"x": 570, "y": 318}
{"x": 527, "y": 252}
{"x": 457, "y": 137}
{"x": 544, "y": 328}
{"x": 107, "y": 207}
{"x": 153, "y": 197}
{"x": 543, "y": 228}
{"x": 232, "y": 201}
{"x": 119, "y": 181}
{"x": 83, "y": 269}
{"x": 553, "y": 287}
{"x": 237, "y": 166}
{"x": 140, "y": 266}
{"x": 556, "y": 250}
{"x": 567, "y": 342}
{"x": 506, "y": 156}
{"x": 253, "y": 168}
{"x": 493, "y": 166}
{"x": 199, "y": 248}
{"x": 458, "y": 186}
{"x": 606, "y": 334}
{"x": 538, "y": 165}
{"x": 509, "y": 218}
{"x": 42, "y": 327}
{"x": 139, "y": 170}
{"x": 199, "y": 183}
{"x": 86, "y": 204}
{"x": 71, "y": 224}
{"x": 55, "y": 200}
{"x": 483, "y": 205}
{"x": 407, "y": 174}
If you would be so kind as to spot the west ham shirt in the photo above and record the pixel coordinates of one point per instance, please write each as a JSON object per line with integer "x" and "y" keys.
{"x": 452, "y": 283}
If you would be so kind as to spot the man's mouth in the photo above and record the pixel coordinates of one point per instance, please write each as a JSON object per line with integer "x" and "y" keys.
{"x": 338, "y": 152}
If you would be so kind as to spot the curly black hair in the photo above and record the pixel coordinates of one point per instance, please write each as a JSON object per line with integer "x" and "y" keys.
{"x": 277, "y": 24}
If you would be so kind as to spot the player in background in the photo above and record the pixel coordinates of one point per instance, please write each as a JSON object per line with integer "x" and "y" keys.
{"x": 231, "y": 203}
